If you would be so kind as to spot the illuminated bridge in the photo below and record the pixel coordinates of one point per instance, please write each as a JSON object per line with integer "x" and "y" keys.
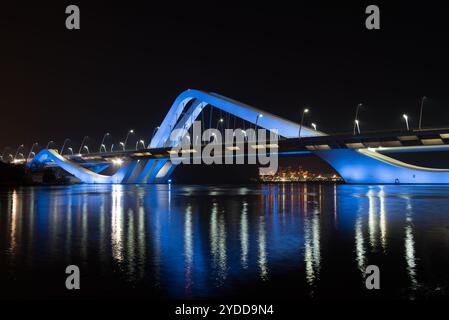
{"x": 357, "y": 158}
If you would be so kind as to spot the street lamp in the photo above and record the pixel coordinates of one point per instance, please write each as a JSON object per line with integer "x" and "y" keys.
{"x": 87, "y": 148}
{"x": 357, "y": 124}
{"x": 406, "y": 121}
{"x": 3, "y": 153}
{"x": 31, "y": 150}
{"x": 314, "y": 126}
{"x": 63, "y": 145}
{"x": 82, "y": 143}
{"x": 219, "y": 122}
{"x": 71, "y": 150}
{"x": 420, "y": 111}
{"x": 356, "y": 119}
{"x": 102, "y": 142}
{"x": 302, "y": 121}
{"x": 17, "y": 151}
{"x": 126, "y": 139}
{"x": 49, "y": 143}
{"x": 142, "y": 142}
{"x": 123, "y": 145}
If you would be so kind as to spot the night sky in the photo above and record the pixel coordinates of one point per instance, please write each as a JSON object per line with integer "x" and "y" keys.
{"x": 129, "y": 61}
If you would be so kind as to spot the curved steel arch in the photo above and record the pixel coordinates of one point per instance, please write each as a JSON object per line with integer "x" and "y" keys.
{"x": 284, "y": 127}
{"x": 83, "y": 174}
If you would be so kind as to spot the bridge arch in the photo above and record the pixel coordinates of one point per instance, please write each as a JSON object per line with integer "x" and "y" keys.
{"x": 175, "y": 119}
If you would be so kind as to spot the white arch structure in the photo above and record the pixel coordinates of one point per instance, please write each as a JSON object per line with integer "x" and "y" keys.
{"x": 354, "y": 165}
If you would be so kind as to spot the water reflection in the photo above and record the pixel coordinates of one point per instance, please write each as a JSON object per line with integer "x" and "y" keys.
{"x": 262, "y": 253}
{"x": 410, "y": 257}
{"x": 312, "y": 257}
{"x": 218, "y": 244}
{"x": 190, "y": 241}
{"x": 117, "y": 223}
{"x": 376, "y": 226}
{"x": 188, "y": 246}
{"x": 244, "y": 235}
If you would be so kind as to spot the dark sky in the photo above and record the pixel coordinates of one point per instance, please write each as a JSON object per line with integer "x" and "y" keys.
{"x": 130, "y": 60}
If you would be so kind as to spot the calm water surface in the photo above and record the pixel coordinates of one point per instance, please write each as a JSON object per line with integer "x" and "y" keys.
{"x": 290, "y": 241}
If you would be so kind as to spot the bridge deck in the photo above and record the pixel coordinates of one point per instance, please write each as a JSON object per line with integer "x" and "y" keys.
{"x": 388, "y": 141}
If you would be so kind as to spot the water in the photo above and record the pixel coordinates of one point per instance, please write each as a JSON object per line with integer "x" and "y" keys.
{"x": 292, "y": 241}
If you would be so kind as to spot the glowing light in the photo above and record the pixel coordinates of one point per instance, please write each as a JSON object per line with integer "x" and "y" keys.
{"x": 117, "y": 161}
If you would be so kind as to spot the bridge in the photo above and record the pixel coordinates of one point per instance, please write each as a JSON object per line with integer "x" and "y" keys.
{"x": 356, "y": 158}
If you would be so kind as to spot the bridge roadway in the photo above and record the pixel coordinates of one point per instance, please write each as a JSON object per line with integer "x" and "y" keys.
{"x": 383, "y": 141}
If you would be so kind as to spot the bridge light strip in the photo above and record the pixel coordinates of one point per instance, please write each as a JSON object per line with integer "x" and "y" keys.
{"x": 262, "y": 146}
{"x": 182, "y": 151}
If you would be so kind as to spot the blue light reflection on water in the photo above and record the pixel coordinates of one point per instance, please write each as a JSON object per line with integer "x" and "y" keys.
{"x": 212, "y": 241}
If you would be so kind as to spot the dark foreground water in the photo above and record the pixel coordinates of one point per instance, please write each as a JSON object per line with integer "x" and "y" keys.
{"x": 255, "y": 242}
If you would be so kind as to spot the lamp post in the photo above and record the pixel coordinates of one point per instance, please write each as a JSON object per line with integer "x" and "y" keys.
{"x": 314, "y": 126}
{"x": 102, "y": 141}
{"x": 142, "y": 142}
{"x": 126, "y": 139}
{"x": 49, "y": 144}
{"x": 357, "y": 124}
{"x": 63, "y": 145}
{"x": 17, "y": 151}
{"x": 420, "y": 111}
{"x": 82, "y": 143}
{"x": 356, "y": 119}
{"x": 31, "y": 150}
{"x": 406, "y": 121}
{"x": 219, "y": 122}
{"x": 3, "y": 153}
{"x": 302, "y": 121}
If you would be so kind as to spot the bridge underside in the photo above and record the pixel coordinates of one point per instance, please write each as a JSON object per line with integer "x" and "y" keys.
{"x": 367, "y": 166}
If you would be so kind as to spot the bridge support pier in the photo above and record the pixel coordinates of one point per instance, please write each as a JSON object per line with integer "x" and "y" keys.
{"x": 368, "y": 166}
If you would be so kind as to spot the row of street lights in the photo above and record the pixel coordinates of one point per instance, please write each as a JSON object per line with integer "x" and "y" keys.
{"x": 103, "y": 145}
{"x": 357, "y": 122}
{"x": 83, "y": 147}
{"x": 220, "y": 122}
